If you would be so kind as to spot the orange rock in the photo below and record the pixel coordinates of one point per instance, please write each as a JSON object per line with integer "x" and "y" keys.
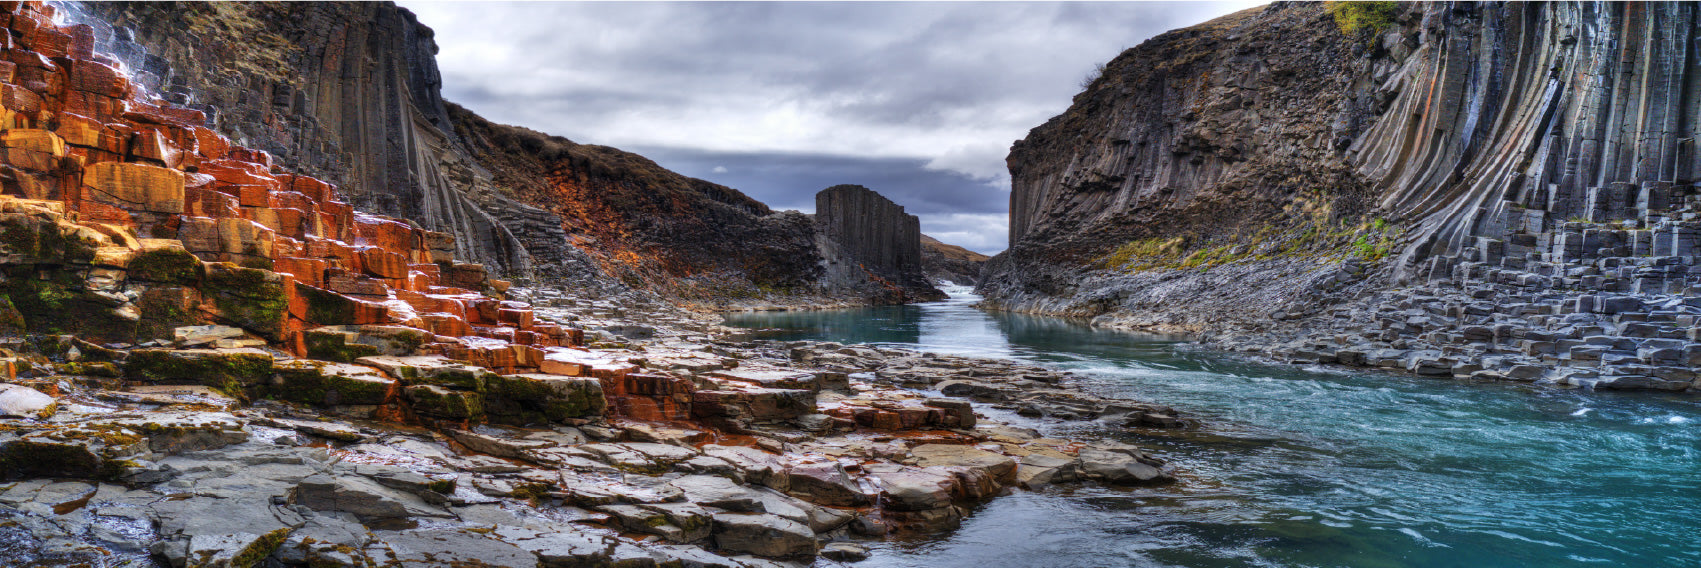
{"x": 383, "y": 263}
{"x": 209, "y": 144}
{"x": 307, "y": 271}
{"x": 236, "y": 172}
{"x": 209, "y": 203}
{"x": 97, "y": 78}
{"x": 314, "y": 189}
{"x": 19, "y": 99}
{"x": 154, "y": 145}
{"x": 354, "y": 285}
{"x": 252, "y": 156}
{"x": 519, "y": 318}
{"x": 43, "y": 141}
{"x": 447, "y": 325}
{"x": 138, "y": 187}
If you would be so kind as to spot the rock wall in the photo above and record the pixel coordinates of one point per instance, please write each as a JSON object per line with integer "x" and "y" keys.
{"x": 344, "y": 91}
{"x": 866, "y": 237}
{"x": 1273, "y": 145}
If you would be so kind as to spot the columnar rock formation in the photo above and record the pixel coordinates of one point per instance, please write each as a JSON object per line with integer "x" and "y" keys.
{"x": 344, "y": 91}
{"x": 866, "y": 237}
{"x": 1249, "y": 173}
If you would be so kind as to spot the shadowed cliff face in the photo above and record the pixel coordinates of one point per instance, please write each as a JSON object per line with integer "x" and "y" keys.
{"x": 1271, "y": 138}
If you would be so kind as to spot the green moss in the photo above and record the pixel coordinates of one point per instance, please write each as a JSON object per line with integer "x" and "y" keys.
{"x": 248, "y": 298}
{"x": 260, "y": 549}
{"x": 334, "y": 346}
{"x": 89, "y": 369}
{"x": 166, "y": 265}
{"x": 1352, "y": 17}
{"x": 445, "y": 403}
{"x": 444, "y": 486}
{"x": 29, "y": 458}
{"x": 231, "y": 372}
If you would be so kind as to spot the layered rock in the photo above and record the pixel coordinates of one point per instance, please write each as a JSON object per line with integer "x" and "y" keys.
{"x": 343, "y": 91}
{"x": 865, "y": 237}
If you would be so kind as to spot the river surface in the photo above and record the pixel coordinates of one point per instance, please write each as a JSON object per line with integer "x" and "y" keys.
{"x": 1307, "y": 466}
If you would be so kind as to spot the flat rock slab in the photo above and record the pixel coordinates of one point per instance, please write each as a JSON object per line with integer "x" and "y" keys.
{"x": 24, "y": 402}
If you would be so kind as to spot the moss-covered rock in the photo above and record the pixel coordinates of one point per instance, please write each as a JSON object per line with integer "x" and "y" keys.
{"x": 166, "y": 265}
{"x": 53, "y": 301}
{"x": 335, "y": 346}
{"x": 164, "y": 309}
{"x": 249, "y": 298}
{"x": 439, "y": 402}
{"x": 325, "y": 307}
{"x": 532, "y": 398}
{"x": 233, "y": 371}
{"x": 319, "y": 383}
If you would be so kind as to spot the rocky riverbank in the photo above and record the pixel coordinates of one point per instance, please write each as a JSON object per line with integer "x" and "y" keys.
{"x": 669, "y": 441}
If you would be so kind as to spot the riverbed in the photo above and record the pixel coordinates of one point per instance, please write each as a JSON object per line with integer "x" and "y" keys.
{"x": 1311, "y": 466}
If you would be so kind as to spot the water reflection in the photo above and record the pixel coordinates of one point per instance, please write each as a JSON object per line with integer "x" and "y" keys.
{"x": 1318, "y": 467}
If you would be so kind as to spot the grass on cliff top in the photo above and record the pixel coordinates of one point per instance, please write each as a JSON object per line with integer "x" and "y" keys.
{"x": 1352, "y": 17}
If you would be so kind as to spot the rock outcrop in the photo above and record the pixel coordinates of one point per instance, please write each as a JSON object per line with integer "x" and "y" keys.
{"x": 866, "y": 238}
{"x": 950, "y": 263}
{"x": 1249, "y": 174}
{"x": 347, "y": 92}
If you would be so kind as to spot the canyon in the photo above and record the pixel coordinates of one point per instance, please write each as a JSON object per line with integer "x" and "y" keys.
{"x": 1526, "y": 170}
{"x": 267, "y": 299}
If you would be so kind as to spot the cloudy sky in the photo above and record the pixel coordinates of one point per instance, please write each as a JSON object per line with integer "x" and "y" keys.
{"x": 918, "y": 101}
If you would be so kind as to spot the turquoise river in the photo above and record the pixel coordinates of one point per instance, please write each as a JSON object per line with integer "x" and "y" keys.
{"x": 1309, "y": 466}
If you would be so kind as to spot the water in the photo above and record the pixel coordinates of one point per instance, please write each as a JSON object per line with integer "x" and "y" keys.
{"x": 1314, "y": 467}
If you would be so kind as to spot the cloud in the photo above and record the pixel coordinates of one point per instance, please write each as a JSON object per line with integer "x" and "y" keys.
{"x": 718, "y": 170}
{"x": 916, "y": 95}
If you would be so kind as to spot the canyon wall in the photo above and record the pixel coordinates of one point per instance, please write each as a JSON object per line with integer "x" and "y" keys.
{"x": 868, "y": 238}
{"x": 344, "y": 91}
{"x": 1271, "y": 159}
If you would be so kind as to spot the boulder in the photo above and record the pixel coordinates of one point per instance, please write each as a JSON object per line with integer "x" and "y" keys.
{"x": 825, "y": 484}
{"x": 23, "y": 402}
{"x": 1120, "y": 468}
{"x": 763, "y": 535}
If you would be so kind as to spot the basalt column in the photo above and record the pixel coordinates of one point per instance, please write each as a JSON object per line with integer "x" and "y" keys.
{"x": 865, "y": 235}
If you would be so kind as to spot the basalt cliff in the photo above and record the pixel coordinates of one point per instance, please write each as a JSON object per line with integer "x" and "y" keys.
{"x": 1500, "y": 190}
{"x": 212, "y": 359}
{"x": 350, "y": 93}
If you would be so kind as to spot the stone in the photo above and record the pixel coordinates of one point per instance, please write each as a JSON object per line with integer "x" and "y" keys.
{"x": 763, "y": 535}
{"x": 1120, "y": 469}
{"x": 137, "y": 187}
{"x": 998, "y": 467}
{"x": 916, "y": 490}
{"x": 844, "y": 552}
{"x": 374, "y": 504}
{"x": 676, "y": 522}
{"x": 448, "y": 548}
{"x": 230, "y": 370}
{"x": 825, "y": 484}
{"x": 19, "y": 401}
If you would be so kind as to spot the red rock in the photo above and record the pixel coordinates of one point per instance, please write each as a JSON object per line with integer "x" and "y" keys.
{"x": 154, "y": 145}
{"x": 309, "y": 271}
{"x": 357, "y": 286}
{"x": 520, "y": 318}
{"x": 209, "y": 144}
{"x": 236, "y": 172}
{"x": 383, "y": 263}
{"x": 92, "y": 77}
{"x": 447, "y": 325}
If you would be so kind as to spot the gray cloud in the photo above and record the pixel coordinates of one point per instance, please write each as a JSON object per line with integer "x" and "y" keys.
{"x": 919, "y": 101}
